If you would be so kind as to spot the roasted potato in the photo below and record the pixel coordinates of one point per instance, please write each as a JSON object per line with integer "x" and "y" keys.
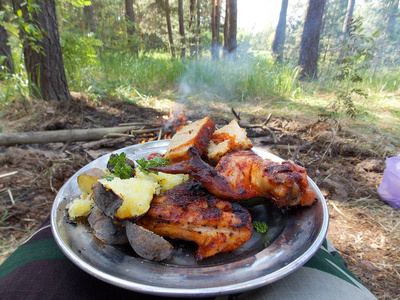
{"x": 165, "y": 181}
{"x": 124, "y": 199}
{"x": 88, "y": 178}
{"x": 105, "y": 229}
{"x": 106, "y": 199}
{"x": 147, "y": 244}
{"x": 80, "y": 208}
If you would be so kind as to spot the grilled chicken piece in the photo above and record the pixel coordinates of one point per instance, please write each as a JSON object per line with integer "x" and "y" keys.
{"x": 190, "y": 213}
{"x": 243, "y": 174}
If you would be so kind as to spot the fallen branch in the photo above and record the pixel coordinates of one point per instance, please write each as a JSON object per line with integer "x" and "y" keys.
{"x": 11, "y": 196}
{"x": 263, "y": 126}
{"x": 70, "y": 135}
{"x": 298, "y": 148}
{"x": 8, "y": 174}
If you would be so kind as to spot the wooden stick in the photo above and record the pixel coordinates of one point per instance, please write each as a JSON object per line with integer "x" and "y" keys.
{"x": 11, "y": 196}
{"x": 8, "y": 174}
{"x": 70, "y": 135}
{"x": 140, "y": 124}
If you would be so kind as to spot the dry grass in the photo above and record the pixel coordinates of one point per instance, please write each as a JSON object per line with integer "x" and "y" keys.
{"x": 364, "y": 230}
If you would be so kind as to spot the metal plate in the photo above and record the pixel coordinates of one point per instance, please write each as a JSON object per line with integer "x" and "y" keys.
{"x": 293, "y": 238}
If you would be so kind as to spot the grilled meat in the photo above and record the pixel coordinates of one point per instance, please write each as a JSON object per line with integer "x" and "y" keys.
{"x": 189, "y": 212}
{"x": 243, "y": 174}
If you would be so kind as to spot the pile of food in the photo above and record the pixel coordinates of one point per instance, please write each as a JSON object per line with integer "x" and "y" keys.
{"x": 194, "y": 192}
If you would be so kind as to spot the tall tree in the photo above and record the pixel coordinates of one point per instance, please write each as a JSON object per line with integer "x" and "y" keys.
{"x": 89, "y": 17}
{"x": 215, "y": 28}
{"x": 387, "y": 38}
{"x": 42, "y": 54}
{"x": 347, "y": 19}
{"x": 192, "y": 27}
{"x": 199, "y": 51}
{"x": 308, "y": 58}
{"x": 130, "y": 24}
{"x": 181, "y": 28}
{"x": 5, "y": 49}
{"x": 169, "y": 28}
{"x": 280, "y": 34}
{"x": 231, "y": 28}
{"x": 226, "y": 23}
{"x": 393, "y": 12}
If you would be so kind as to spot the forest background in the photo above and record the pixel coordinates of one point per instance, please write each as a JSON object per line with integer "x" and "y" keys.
{"x": 332, "y": 61}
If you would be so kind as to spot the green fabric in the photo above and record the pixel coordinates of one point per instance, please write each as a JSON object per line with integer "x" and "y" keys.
{"x": 325, "y": 262}
{"x": 47, "y": 249}
{"x": 30, "y": 252}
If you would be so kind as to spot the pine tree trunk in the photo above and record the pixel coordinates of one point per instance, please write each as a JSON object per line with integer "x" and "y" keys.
{"x": 43, "y": 58}
{"x": 308, "y": 58}
{"x": 215, "y": 28}
{"x": 181, "y": 28}
{"x": 130, "y": 25}
{"x": 89, "y": 18}
{"x": 192, "y": 28}
{"x": 169, "y": 28}
{"x": 393, "y": 12}
{"x": 347, "y": 19}
{"x": 5, "y": 49}
{"x": 232, "y": 27}
{"x": 280, "y": 34}
{"x": 226, "y": 25}
{"x": 198, "y": 40}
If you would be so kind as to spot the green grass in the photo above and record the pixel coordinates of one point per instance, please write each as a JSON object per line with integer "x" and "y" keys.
{"x": 252, "y": 83}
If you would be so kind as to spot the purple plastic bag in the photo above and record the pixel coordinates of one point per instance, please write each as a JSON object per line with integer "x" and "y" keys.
{"x": 389, "y": 189}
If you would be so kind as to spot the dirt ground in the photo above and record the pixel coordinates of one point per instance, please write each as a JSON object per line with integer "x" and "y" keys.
{"x": 365, "y": 231}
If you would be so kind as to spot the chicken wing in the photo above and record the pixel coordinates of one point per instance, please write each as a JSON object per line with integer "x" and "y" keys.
{"x": 243, "y": 174}
{"x": 189, "y": 212}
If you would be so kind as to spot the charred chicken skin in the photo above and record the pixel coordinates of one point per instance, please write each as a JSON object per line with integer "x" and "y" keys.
{"x": 243, "y": 174}
{"x": 189, "y": 212}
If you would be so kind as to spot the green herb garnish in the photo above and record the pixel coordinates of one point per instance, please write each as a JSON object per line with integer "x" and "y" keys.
{"x": 267, "y": 242}
{"x": 121, "y": 169}
{"x": 109, "y": 177}
{"x": 157, "y": 161}
{"x": 260, "y": 227}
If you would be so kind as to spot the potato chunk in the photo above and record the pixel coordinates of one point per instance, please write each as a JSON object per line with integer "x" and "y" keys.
{"x": 80, "y": 207}
{"x": 105, "y": 229}
{"x": 147, "y": 244}
{"x": 165, "y": 181}
{"x": 88, "y": 178}
{"x": 124, "y": 199}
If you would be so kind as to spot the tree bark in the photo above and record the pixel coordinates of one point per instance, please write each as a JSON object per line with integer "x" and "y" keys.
{"x": 280, "y": 34}
{"x": 43, "y": 57}
{"x": 198, "y": 39}
{"x": 130, "y": 25}
{"x": 89, "y": 17}
{"x": 226, "y": 24}
{"x": 5, "y": 49}
{"x": 215, "y": 28}
{"x": 192, "y": 28}
{"x": 347, "y": 19}
{"x": 308, "y": 58}
{"x": 232, "y": 27}
{"x": 181, "y": 28}
{"x": 169, "y": 28}
{"x": 393, "y": 11}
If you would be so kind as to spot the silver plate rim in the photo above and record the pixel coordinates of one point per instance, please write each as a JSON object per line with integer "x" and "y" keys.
{"x": 185, "y": 290}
